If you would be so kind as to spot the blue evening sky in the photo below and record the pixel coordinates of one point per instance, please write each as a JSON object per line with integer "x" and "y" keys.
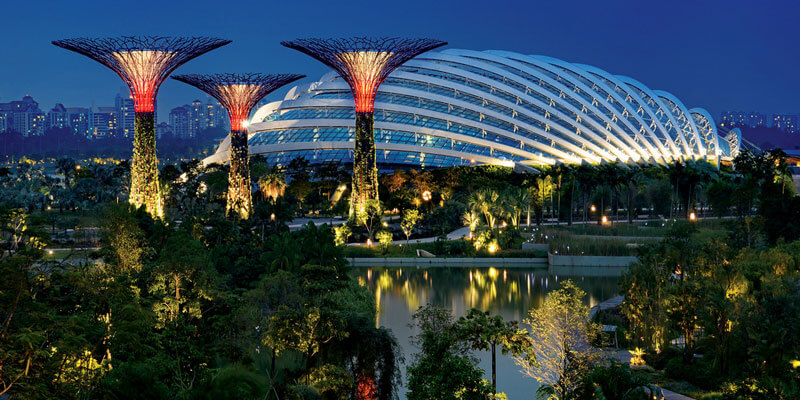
{"x": 721, "y": 55}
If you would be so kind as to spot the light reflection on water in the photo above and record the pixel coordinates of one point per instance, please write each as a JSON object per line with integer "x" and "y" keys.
{"x": 509, "y": 292}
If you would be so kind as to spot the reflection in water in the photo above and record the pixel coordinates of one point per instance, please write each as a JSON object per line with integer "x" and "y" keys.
{"x": 507, "y": 292}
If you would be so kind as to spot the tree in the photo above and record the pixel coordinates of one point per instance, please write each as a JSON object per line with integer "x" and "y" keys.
{"x": 561, "y": 334}
{"x": 341, "y": 233}
{"x": 411, "y": 218}
{"x": 384, "y": 239}
{"x": 485, "y": 332}
{"x": 442, "y": 370}
{"x": 369, "y": 215}
{"x": 272, "y": 186}
{"x": 182, "y": 278}
{"x": 66, "y": 166}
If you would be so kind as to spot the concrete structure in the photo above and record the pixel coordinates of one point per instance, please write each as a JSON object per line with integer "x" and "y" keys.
{"x": 464, "y": 107}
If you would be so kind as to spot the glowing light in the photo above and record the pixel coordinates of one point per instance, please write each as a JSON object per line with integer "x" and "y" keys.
{"x": 493, "y": 247}
{"x": 426, "y": 195}
{"x": 605, "y": 219}
{"x": 142, "y": 70}
{"x": 593, "y": 208}
{"x": 385, "y": 224}
{"x": 50, "y": 252}
{"x": 365, "y": 68}
{"x": 272, "y": 217}
{"x": 369, "y": 242}
{"x": 692, "y": 216}
{"x": 343, "y": 188}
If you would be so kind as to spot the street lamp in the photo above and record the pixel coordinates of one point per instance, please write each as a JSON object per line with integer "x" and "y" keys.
{"x": 692, "y": 216}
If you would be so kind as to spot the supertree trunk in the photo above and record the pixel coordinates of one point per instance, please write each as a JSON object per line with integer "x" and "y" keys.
{"x": 145, "y": 189}
{"x": 365, "y": 170}
{"x": 239, "y": 186}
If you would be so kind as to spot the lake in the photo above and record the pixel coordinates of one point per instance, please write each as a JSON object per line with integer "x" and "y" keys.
{"x": 509, "y": 292}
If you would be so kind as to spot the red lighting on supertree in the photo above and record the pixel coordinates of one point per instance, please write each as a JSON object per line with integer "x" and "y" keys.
{"x": 364, "y": 63}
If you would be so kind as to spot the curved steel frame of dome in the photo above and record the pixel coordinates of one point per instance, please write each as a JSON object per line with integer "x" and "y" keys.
{"x": 464, "y": 107}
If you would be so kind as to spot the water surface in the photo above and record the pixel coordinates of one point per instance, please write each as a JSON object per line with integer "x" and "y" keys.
{"x": 509, "y": 292}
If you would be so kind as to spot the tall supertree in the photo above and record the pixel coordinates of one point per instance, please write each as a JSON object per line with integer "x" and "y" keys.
{"x": 364, "y": 64}
{"x": 143, "y": 62}
{"x": 238, "y": 93}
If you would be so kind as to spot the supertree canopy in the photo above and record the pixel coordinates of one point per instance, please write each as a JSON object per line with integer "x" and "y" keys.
{"x": 364, "y": 63}
{"x": 143, "y": 62}
{"x": 238, "y": 93}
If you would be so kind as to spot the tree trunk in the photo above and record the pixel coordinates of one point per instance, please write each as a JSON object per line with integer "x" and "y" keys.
{"x": 494, "y": 369}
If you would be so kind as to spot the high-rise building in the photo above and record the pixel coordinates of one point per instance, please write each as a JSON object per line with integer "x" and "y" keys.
{"x": 57, "y": 117}
{"x": 179, "y": 120}
{"x": 757, "y": 120}
{"x": 103, "y": 121}
{"x": 79, "y": 120}
{"x": 162, "y": 129}
{"x": 126, "y": 115}
{"x": 23, "y": 116}
{"x": 786, "y": 122}
{"x": 188, "y": 120}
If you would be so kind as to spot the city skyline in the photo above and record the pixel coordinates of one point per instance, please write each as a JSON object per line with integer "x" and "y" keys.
{"x": 731, "y": 75}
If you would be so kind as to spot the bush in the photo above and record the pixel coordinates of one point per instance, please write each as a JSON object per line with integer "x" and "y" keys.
{"x": 698, "y": 373}
{"x": 659, "y": 360}
{"x": 384, "y": 239}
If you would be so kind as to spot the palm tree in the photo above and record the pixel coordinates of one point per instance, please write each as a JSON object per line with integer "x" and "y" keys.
{"x": 517, "y": 200}
{"x": 486, "y": 202}
{"x": 65, "y": 166}
{"x": 272, "y": 186}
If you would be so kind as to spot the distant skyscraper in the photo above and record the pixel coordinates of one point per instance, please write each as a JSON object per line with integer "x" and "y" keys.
{"x": 786, "y": 122}
{"x": 57, "y": 117}
{"x": 126, "y": 115}
{"x": 79, "y": 120}
{"x": 23, "y": 116}
{"x": 752, "y": 119}
{"x": 190, "y": 119}
{"x": 162, "y": 129}
{"x": 757, "y": 120}
{"x": 179, "y": 120}
{"x": 104, "y": 121}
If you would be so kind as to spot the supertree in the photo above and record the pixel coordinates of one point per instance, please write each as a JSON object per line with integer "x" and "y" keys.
{"x": 143, "y": 62}
{"x": 238, "y": 93}
{"x": 364, "y": 63}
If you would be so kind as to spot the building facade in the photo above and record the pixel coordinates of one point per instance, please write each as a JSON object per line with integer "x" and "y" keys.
{"x": 752, "y": 119}
{"x": 23, "y": 116}
{"x": 786, "y": 122}
{"x": 103, "y": 122}
{"x": 125, "y": 114}
{"x": 188, "y": 120}
{"x": 57, "y": 117}
{"x": 463, "y": 107}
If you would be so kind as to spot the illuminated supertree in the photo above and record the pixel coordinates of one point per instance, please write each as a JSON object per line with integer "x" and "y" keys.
{"x": 364, "y": 63}
{"x": 143, "y": 62}
{"x": 238, "y": 93}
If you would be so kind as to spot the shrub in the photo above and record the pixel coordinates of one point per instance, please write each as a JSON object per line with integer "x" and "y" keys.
{"x": 698, "y": 373}
{"x": 384, "y": 239}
